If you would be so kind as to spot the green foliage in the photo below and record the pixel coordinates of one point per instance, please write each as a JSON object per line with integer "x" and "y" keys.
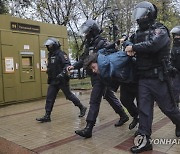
{"x": 166, "y": 13}
{"x": 80, "y": 84}
{"x": 75, "y": 48}
{"x": 3, "y": 8}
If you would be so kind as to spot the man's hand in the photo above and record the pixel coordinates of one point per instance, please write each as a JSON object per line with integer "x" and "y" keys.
{"x": 69, "y": 68}
{"x": 129, "y": 51}
{"x": 120, "y": 41}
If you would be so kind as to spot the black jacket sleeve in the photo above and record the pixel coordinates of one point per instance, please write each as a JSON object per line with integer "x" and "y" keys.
{"x": 79, "y": 64}
{"x": 65, "y": 60}
{"x": 156, "y": 41}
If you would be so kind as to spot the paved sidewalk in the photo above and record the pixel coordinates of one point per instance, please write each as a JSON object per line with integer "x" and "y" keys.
{"x": 21, "y": 134}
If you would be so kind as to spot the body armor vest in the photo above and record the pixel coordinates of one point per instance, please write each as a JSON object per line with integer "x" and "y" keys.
{"x": 152, "y": 60}
{"x": 54, "y": 65}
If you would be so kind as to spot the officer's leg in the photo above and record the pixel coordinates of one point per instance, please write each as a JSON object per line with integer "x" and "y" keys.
{"x": 146, "y": 103}
{"x": 167, "y": 107}
{"x": 128, "y": 93}
{"x": 115, "y": 104}
{"x": 95, "y": 99}
{"x": 176, "y": 88}
{"x": 70, "y": 96}
{"x": 50, "y": 99}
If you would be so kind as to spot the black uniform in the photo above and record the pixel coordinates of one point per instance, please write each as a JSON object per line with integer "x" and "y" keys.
{"x": 58, "y": 79}
{"x": 151, "y": 47}
{"x": 175, "y": 52}
{"x": 57, "y": 63}
{"x": 99, "y": 89}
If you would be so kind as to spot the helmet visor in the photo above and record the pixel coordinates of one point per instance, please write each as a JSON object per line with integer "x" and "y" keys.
{"x": 176, "y": 30}
{"x": 48, "y": 42}
{"x": 139, "y": 13}
{"x": 84, "y": 30}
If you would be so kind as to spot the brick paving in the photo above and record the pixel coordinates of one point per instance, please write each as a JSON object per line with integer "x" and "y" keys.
{"x": 21, "y": 134}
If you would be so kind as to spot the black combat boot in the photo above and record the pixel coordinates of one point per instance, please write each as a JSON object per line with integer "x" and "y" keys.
{"x": 177, "y": 130}
{"x": 82, "y": 111}
{"x": 45, "y": 118}
{"x": 122, "y": 120}
{"x": 133, "y": 123}
{"x": 142, "y": 143}
{"x": 87, "y": 131}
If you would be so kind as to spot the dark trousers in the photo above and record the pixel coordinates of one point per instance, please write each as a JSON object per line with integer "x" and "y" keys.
{"x": 128, "y": 93}
{"x": 52, "y": 94}
{"x": 151, "y": 90}
{"x": 176, "y": 87}
{"x": 98, "y": 90}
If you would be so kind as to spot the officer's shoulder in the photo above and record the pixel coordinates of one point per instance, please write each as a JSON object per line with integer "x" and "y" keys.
{"x": 159, "y": 25}
{"x": 63, "y": 54}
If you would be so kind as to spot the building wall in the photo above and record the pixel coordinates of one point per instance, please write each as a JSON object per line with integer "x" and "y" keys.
{"x": 23, "y": 58}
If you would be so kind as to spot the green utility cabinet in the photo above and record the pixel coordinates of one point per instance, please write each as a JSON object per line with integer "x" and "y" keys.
{"x": 23, "y": 58}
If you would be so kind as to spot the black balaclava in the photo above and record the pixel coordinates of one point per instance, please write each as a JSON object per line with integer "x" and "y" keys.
{"x": 176, "y": 40}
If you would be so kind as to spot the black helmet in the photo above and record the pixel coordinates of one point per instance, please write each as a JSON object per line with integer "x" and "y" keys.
{"x": 144, "y": 13}
{"x": 52, "y": 44}
{"x": 90, "y": 28}
{"x": 175, "y": 30}
{"x": 176, "y": 35}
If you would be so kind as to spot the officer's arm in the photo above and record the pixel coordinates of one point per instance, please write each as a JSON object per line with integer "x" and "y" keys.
{"x": 159, "y": 39}
{"x": 65, "y": 60}
{"x": 172, "y": 56}
{"x": 79, "y": 64}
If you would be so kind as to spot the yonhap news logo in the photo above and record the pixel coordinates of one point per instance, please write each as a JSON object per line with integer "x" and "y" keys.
{"x": 164, "y": 141}
{"x": 142, "y": 140}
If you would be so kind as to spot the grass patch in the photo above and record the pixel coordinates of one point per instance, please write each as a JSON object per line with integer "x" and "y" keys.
{"x": 83, "y": 84}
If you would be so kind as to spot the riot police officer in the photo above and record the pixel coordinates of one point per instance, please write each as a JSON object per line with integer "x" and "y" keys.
{"x": 58, "y": 79}
{"x": 94, "y": 41}
{"x": 151, "y": 45}
{"x": 175, "y": 53}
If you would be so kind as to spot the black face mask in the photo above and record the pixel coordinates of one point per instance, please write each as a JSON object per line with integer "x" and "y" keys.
{"x": 51, "y": 48}
{"x": 176, "y": 42}
{"x": 144, "y": 24}
{"x": 89, "y": 37}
